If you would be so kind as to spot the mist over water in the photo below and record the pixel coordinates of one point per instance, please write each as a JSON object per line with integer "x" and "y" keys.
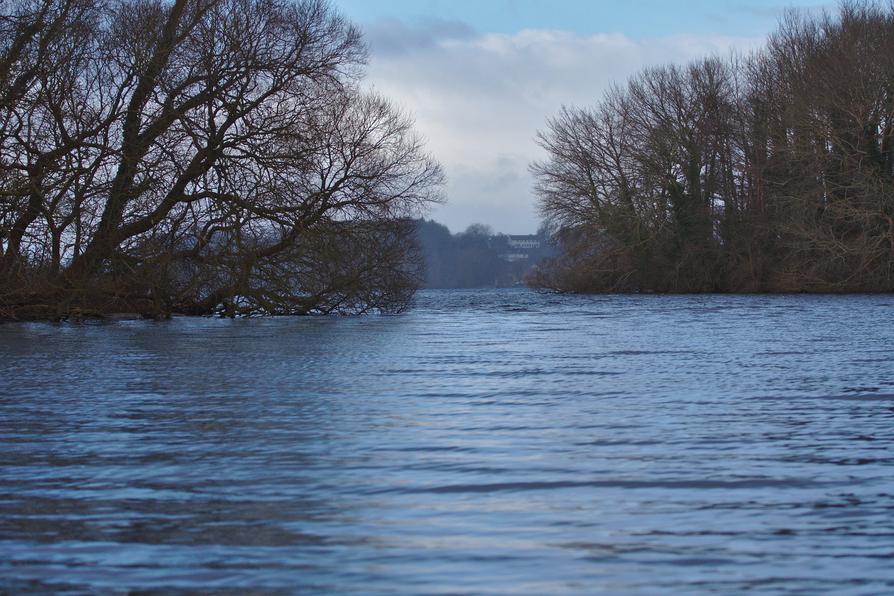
{"x": 486, "y": 441}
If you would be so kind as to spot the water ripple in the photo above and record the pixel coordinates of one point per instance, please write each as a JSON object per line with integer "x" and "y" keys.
{"x": 485, "y": 442}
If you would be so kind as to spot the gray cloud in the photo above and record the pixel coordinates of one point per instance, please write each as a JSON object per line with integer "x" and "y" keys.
{"x": 393, "y": 37}
{"x": 480, "y": 99}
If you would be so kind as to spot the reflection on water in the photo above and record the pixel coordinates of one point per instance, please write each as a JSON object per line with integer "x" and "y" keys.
{"x": 485, "y": 441}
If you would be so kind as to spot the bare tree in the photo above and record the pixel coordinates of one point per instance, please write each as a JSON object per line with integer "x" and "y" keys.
{"x": 646, "y": 175}
{"x": 218, "y": 139}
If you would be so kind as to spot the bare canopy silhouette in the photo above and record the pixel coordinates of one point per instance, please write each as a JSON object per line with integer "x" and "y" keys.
{"x": 200, "y": 156}
{"x": 772, "y": 172}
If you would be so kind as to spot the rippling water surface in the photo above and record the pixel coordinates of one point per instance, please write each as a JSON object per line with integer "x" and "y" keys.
{"x": 495, "y": 441}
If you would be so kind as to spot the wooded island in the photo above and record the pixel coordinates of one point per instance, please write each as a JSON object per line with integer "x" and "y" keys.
{"x": 772, "y": 172}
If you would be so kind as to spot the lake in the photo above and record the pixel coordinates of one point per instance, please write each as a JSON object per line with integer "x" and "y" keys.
{"x": 484, "y": 442}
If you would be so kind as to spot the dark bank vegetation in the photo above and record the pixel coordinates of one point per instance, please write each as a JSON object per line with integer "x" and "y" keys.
{"x": 200, "y": 156}
{"x": 767, "y": 173}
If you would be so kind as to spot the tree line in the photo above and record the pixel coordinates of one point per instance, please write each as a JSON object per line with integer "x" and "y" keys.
{"x": 475, "y": 258}
{"x": 200, "y": 156}
{"x": 771, "y": 172}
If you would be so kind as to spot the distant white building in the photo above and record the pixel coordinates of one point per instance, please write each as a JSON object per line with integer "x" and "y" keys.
{"x": 522, "y": 248}
{"x": 525, "y": 242}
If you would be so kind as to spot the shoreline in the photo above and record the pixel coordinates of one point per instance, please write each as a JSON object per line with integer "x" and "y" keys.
{"x": 40, "y": 314}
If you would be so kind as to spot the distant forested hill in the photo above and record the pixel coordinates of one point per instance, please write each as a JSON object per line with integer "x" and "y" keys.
{"x": 477, "y": 258}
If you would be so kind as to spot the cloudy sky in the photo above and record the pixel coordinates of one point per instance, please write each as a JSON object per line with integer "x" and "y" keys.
{"x": 481, "y": 77}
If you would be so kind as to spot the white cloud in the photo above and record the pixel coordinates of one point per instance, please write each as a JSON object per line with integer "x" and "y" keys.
{"x": 479, "y": 99}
